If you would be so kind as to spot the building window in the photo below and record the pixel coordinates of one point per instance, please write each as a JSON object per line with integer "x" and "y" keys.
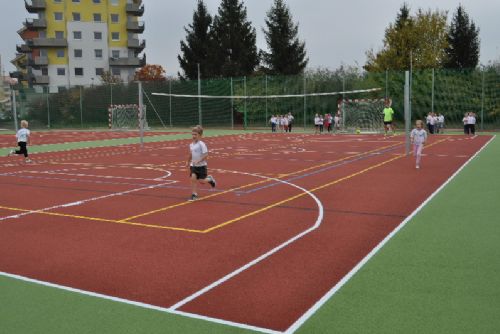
{"x": 61, "y": 71}
{"x": 58, "y": 16}
{"x": 115, "y": 71}
{"x": 77, "y": 34}
{"x": 45, "y": 71}
{"x": 114, "y": 2}
{"x": 115, "y": 54}
{"x": 115, "y": 36}
{"x": 59, "y": 34}
{"x": 96, "y": 1}
{"x": 76, "y": 16}
{"x": 97, "y": 17}
{"x": 115, "y": 18}
{"x": 98, "y": 53}
{"x": 60, "y": 53}
{"x": 97, "y": 35}
{"x": 76, "y": 1}
{"x": 99, "y": 71}
{"x": 43, "y": 53}
{"x": 57, "y": 1}
{"x": 78, "y": 53}
{"x": 79, "y": 71}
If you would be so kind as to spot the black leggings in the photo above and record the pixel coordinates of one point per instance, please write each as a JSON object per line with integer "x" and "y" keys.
{"x": 23, "y": 148}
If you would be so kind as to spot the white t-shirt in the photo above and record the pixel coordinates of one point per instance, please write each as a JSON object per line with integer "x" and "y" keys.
{"x": 197, "y": 150}
{"x": 419, "y": 136}
{"x": 22, "y": 135}
{"x": 471, "y": 120}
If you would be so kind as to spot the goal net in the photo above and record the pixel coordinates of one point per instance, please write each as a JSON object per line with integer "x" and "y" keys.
{"x": 126, "y": 117}
{"x": 363, "y": 115}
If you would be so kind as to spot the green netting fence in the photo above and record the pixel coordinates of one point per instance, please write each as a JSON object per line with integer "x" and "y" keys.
{"x": 450, "y": 92}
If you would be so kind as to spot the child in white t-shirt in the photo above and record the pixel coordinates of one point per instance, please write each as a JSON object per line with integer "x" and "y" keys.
{"x": 23, "y": 140}
{"x": 418, "y": 136}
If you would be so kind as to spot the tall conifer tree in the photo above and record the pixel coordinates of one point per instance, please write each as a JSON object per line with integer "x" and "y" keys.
{"x": 234, "y": 52}
{"x": 286, "y": 54}
{"x": 196, "y": 49}
{"x": 463, "y": 39}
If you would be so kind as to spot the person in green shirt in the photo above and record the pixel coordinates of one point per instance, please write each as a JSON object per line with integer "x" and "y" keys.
{"x": 388, "y": 117}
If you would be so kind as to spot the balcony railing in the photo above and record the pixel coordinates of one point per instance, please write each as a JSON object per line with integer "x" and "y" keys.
{"x": 35, "y": 24}
{"x": 35, "y": 6}
{"x": 134, "y": 43}
{"x": 128, "y": 62}
{"x": 23, "y": 48}
{"x": 39, "y": 61}
{"x": 48, "y": 42}
{"x": 135, "y": 9}
{"x": 136, "y": 26}
{"x": 41, "y": 80}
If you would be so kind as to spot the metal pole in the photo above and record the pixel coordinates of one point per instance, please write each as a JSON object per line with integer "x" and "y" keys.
{"x": 170, "y": 101}
{"x": 48, "y": 108}
{"x": 432, "y": 96}
{"x": 199, "y": 96}
{"x": 305, "y": 101}
{"x": 141, "y": 115}
{"x": 111, "y": 93}
{"x": 265, "y": 120}
{"x": 232, "y": 105}
{"x": 245, "y": 113}
{"x": 343, "y": 103}
{"x": 482, "y": 96}
{"x": 407, "y": 111}
{"x": 14, "y": 108}
{"x": 386, "y": 84}
{"x": 81, "y": 108}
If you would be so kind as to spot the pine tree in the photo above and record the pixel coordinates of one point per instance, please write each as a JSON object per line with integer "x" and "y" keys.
{"x": 234, "y": 52}
{"x": 463, "y": 39}
{"x": 286, "y": 54}
{"x": 197, "y": 46}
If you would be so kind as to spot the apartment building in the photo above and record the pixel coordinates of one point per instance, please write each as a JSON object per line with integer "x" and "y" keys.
{"x": 73, "y": 42}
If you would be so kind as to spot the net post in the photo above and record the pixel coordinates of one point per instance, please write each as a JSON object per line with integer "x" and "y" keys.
{"x": 141, "y": 115}
{"x": 407, "y": 111}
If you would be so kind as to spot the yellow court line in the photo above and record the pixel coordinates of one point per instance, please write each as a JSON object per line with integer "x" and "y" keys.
{"x": 311, "y": 190}
{"x": 253, "y": 184}
{"x": 102, "y": 220}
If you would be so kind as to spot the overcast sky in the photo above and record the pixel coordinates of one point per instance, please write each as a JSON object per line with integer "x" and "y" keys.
{"x": 335, "y": 32}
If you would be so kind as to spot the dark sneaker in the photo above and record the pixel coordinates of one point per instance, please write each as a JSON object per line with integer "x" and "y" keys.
{"x": 211, "y": 180}
{"x": 193, "y": 197}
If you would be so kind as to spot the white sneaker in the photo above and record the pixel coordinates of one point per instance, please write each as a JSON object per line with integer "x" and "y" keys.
{"x": 417, "y": 167}
{"x": 211, "y": 181}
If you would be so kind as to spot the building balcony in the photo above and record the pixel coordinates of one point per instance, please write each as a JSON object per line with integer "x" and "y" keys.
{"x": 136, "y": 26}
{"x": 36, "y": 24}
{"x": 35, "y": 6}
{"x": 134, "y": 43}
{"x": 20, "y": 76}
{"x": 128, "y": 62}
{"x": 23, "y": 48}
{"x": 39, "y": 61}
{"x": 136, "y": 9}
{"x": 48, "y": 42}
{"x": 40, "y": 79}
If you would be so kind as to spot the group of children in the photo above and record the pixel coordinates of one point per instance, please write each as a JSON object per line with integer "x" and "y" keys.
{"x": 469, "y": 121}
{"x": 327, "y": 122}
{"x": 435, "y": 122}
{"x": 281, "y": 123}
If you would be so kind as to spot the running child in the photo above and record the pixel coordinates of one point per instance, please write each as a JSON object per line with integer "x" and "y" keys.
{"x": 388, "y": 118}
{"x": 197, "y": 162}
{"x": 418, "y": 136}
{"x": 23, "y": 140}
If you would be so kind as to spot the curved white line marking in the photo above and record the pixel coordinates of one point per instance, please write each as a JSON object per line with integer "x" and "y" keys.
{"x": 263, "y": 256}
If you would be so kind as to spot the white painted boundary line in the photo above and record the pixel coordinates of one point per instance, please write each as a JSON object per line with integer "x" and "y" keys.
{"x": 172, "y": 309}
{"x": 349, "y": 275}
{"x": 138, "y": 304}
{"x": 263, "y": 256}
{"x": 82, "y": 201}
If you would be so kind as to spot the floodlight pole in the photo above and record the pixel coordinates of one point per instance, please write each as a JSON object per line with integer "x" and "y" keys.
{"x": 14, "y": 108}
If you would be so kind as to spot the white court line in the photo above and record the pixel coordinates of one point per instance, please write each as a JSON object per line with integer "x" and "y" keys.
{"x": 263, "y": 256}
{"x": 82, "y": 201}
{"x": 374, "y": 251}
{"x": 138, "y": 304}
